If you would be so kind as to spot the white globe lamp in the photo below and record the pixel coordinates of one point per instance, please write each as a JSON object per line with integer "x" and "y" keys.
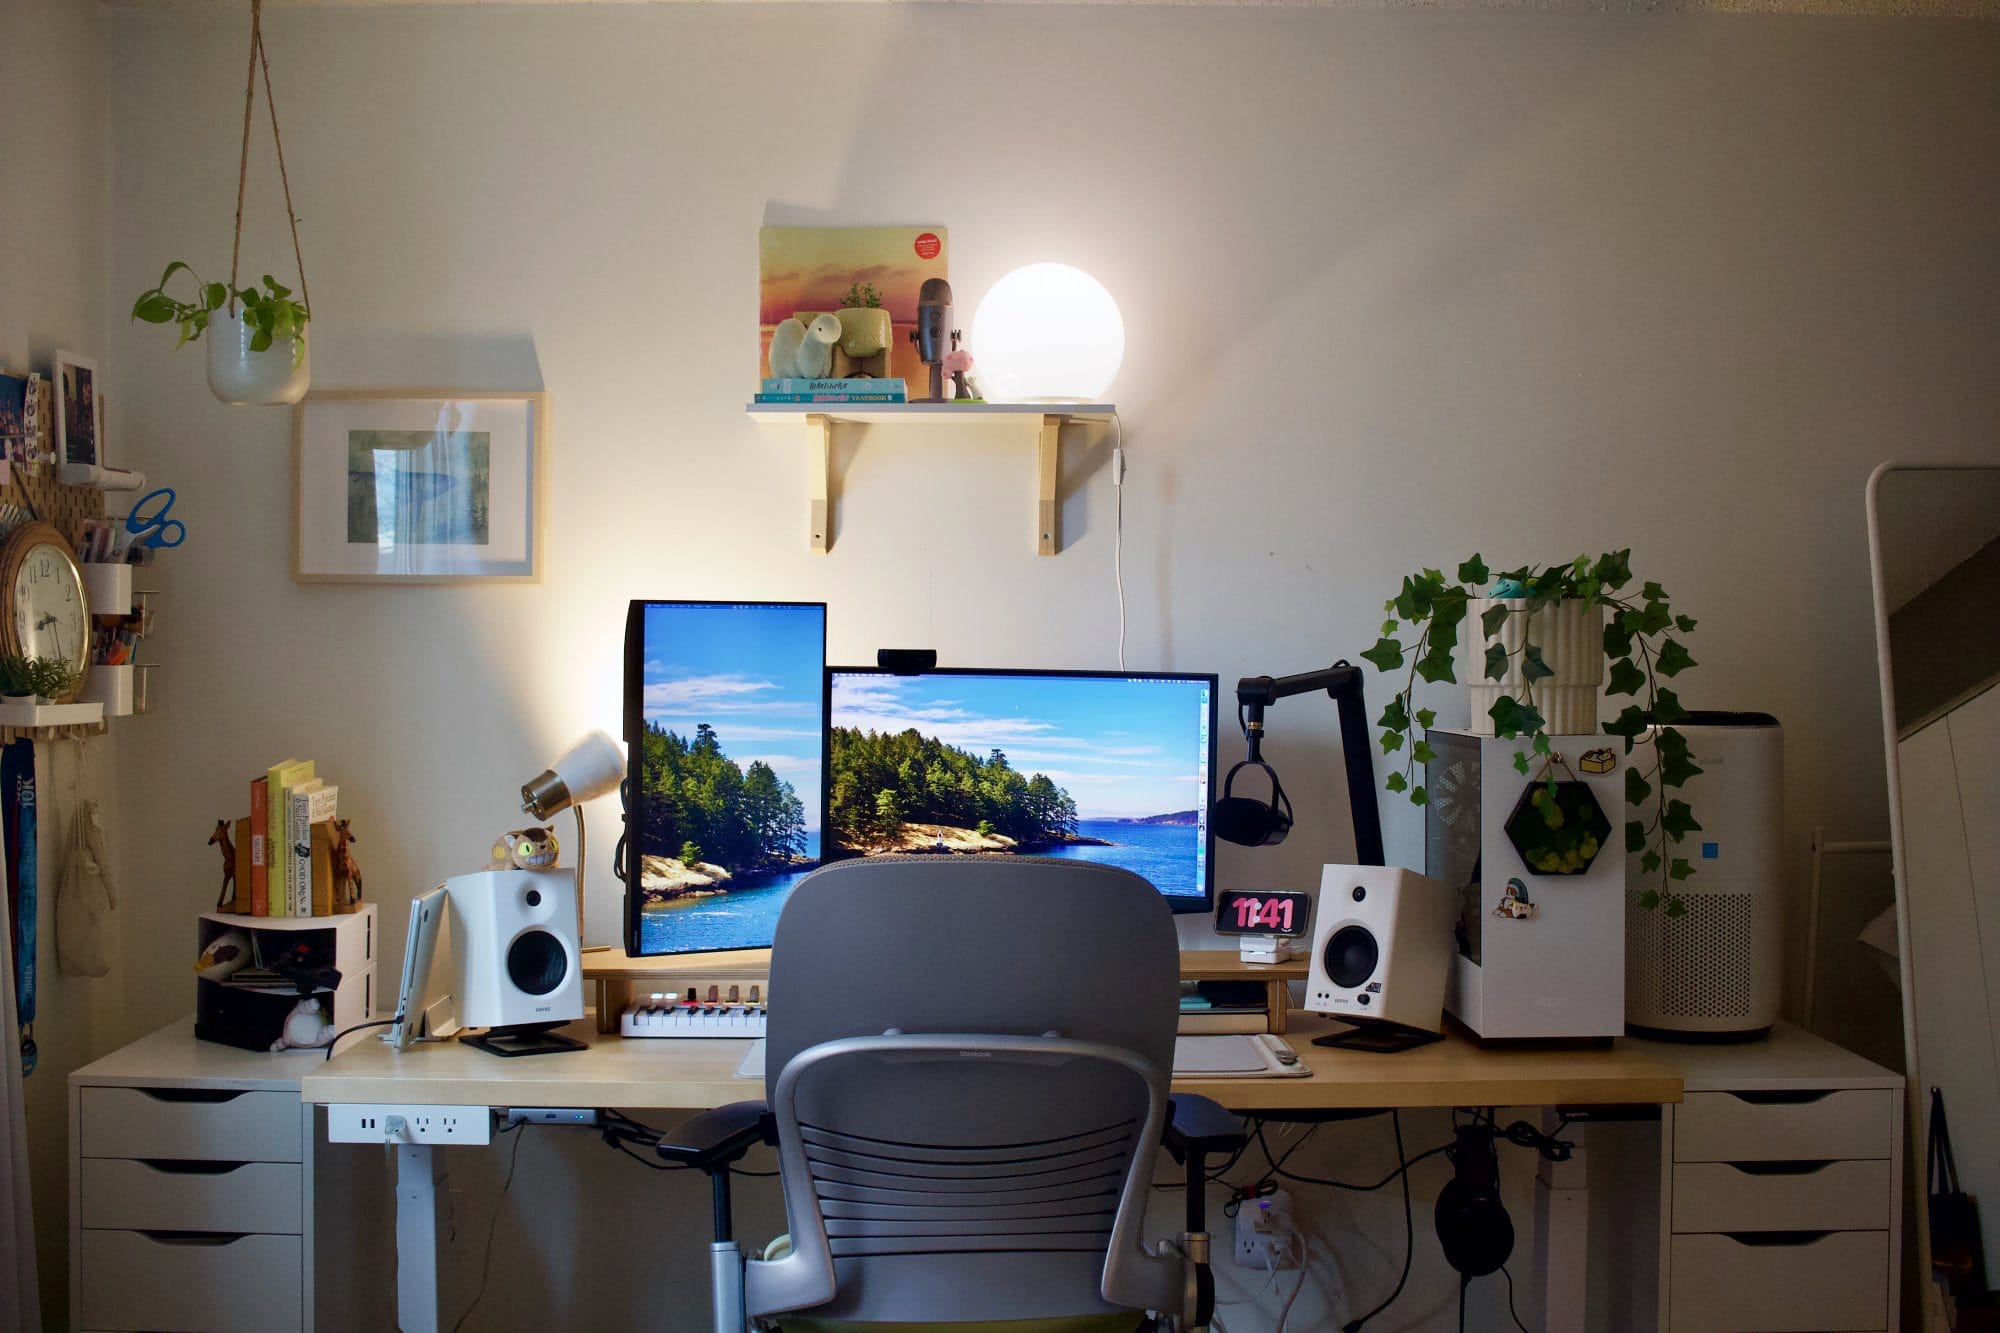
{"x": 1047, "y": 333}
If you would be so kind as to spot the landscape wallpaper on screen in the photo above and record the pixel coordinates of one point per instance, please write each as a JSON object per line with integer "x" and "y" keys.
{"x": 1094, "y": 769}
{"x": 729, "y": 759}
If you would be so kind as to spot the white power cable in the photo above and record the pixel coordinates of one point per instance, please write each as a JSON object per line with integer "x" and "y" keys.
{"x": 1305, "y": 1268}
{"x": 1118, "y": 526}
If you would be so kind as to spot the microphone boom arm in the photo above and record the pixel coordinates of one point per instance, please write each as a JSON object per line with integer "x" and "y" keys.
{"x": 1342, "y": 683}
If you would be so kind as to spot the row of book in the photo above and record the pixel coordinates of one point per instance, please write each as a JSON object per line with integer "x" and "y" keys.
{"x": 284, "y": 848}
{"x": 861, "y": 390}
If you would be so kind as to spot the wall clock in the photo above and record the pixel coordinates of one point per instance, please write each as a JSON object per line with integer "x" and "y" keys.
{"x": 45, "y": 612}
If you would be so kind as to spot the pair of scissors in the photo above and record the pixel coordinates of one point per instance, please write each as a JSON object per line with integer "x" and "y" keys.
{"x": 155, "y": 529}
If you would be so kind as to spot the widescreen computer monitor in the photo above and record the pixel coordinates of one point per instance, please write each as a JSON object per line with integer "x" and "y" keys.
{"x": 725, "y": 731}
{"x": 1095, "y": 766}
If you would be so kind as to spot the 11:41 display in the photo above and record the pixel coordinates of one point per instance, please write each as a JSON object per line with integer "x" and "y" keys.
{"x": 1244, "y": 912}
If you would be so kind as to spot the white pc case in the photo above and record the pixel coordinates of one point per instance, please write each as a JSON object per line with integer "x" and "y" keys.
{"x": 1540, "y": 953}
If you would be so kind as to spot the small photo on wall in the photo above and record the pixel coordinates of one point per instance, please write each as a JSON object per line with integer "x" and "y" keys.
{"x": 79, "y": 410}
{"x": 16, "y": 426}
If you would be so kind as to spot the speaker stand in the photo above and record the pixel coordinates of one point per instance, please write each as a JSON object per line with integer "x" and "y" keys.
{"x": 1379, "y": 1035}
{"x": 524, "y": 1039}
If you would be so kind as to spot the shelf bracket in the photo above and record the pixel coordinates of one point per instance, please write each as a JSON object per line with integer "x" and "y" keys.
{"x": 819, "y": 531}
{"x": 1048, "y": 466}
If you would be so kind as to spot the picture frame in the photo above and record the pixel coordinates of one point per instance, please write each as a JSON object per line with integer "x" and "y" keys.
{"x": 79, "y": 410}
{"x": 419, "y": 486}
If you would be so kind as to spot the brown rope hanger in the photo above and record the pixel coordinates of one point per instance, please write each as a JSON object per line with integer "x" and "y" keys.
{"x": 258, "y": 60}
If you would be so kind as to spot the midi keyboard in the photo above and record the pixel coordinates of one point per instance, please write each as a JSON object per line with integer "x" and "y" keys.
{"x": 690, "y": 1015}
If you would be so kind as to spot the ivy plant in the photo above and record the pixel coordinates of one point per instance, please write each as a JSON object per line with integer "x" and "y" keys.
{"x": 1640, "y": 645}
{"x": 270, "y": 313}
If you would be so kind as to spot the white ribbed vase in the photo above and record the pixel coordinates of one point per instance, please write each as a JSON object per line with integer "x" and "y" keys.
{"x": 1571, "y": 637}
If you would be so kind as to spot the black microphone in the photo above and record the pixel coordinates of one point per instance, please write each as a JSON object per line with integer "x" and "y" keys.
{"x": 933, "y": 332}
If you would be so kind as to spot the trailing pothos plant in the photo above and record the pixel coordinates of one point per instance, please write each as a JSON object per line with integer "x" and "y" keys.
{"x": 271, "y": 313}
{"x": 1639, "y": 644}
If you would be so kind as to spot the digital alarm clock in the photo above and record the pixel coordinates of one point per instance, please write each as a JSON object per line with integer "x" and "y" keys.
{"x": 1267, "y": 920}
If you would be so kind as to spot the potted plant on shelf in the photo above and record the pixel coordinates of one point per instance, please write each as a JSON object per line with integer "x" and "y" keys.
{"x": 17, "y": 681}
{"x": 36, "y": 680}
{"x": 865, "y": 328}
{"x": 1545, "y": 637}
{"x": 257, "y": 346}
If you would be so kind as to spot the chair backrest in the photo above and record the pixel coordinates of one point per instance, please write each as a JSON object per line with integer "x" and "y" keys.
{"x": 968, "y": 1060}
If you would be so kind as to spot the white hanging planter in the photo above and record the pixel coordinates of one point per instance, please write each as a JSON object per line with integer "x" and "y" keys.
{"x": 1570, "y": 635}
{"x": 277, "y": 376}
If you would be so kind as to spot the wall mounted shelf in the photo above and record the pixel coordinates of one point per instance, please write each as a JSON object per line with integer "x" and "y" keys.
{"x": 1044, "y": 420}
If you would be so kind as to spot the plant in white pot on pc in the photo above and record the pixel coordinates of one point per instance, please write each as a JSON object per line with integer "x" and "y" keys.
{"x": 1546, "y": 636}
{"x": 257, "y": 351}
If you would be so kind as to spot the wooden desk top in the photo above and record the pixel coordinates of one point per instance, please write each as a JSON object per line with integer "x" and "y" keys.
{"x": 695, "y": 1074}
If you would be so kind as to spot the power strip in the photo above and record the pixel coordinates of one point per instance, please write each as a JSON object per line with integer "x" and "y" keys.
{"x": 408, "y": 1124}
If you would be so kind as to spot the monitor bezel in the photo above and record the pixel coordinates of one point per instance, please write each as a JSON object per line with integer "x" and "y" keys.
{"x": 1182, "y": 904}
{"x": 634, "y": 723}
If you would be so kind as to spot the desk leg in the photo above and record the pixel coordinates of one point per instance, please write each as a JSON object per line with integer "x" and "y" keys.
{"x": 417, "y": 1171}
{"x": 1562, "y": 1232}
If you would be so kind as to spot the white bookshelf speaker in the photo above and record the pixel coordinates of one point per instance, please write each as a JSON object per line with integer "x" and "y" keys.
{"x": 1381, "y": 948}
{"x": 513, "y": 935}
{"x": 1717, "y": 968}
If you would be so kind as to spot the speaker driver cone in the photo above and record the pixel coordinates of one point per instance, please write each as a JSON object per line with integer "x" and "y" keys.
{"x": 537, "y": 964}
{"x": 1351, "y": 955}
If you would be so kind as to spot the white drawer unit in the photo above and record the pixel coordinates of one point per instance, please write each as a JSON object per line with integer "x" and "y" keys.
{"x": 212, "y": 1124}
{"x": 189, "y": 1280}
{"x": 223, "y": 1197}
{"x": 1780, "y": 1178}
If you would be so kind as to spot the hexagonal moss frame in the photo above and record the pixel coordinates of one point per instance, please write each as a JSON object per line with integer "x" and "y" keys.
{"x": 1560, "y": 834}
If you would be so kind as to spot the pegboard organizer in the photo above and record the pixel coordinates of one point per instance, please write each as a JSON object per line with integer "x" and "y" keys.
{"x": 68, "y": 508}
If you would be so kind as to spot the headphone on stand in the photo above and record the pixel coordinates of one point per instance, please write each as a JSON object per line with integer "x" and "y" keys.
{"x": 1247, "y": 820}
{"x": 1472, "y": 1224}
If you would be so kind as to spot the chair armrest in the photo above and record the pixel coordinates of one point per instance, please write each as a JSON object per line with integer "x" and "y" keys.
{"x": 721, "y": 1136}
{"x": 1201, "y": 1128}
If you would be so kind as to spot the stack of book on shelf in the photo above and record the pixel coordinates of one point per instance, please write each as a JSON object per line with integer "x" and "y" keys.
{"x": 1224, "y": 1007}
{"x": 284, "y": 849}
{"x": 863, "y": 390}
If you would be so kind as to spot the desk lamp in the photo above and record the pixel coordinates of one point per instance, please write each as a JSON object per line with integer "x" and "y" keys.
{"x": 585, "y": 771}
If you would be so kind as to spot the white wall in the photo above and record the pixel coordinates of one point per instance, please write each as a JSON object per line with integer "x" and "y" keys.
{"x": 55, "y": 233}
{"x": 1398, "y": 286}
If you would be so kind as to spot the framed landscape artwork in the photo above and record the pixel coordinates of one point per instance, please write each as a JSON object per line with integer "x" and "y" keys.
{"x": 418, "y": 486}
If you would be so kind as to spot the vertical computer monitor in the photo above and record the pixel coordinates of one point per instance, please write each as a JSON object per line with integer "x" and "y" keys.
{"x": 725, "y": 731}
{"x": 1098, "y": 766}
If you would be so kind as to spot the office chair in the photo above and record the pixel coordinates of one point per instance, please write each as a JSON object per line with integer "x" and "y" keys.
{"x": 966, "y": 1080}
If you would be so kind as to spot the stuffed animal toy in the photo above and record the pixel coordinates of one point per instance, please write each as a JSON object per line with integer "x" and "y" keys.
{"x": 306, "y": 1028}
{"x": 804, "y": 351}
{"x": 224, "y": 954}
{"x": 526, "y": 849}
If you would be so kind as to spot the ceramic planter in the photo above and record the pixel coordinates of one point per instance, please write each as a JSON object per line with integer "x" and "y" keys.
{"x": 865, "y": 331}
{"x": 1570, "y": 635}
{"x": 243, "y": 378}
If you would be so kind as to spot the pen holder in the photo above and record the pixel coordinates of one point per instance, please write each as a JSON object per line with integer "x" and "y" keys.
{"x": 109, "y": 588}
{"x": 112, "y": 687}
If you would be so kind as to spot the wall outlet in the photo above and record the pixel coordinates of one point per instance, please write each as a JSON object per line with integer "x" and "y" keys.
{"x": 408, "y": 1124}
{"x": 1264, "y": 1236}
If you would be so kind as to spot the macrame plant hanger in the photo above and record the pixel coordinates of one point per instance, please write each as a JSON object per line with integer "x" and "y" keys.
{"x": 260, "y": 358}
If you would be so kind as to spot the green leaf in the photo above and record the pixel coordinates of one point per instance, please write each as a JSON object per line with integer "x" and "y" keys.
{"x": 260, "y": 341}
{"x": 1418, "y": 796}
{"x": 1617, "y": 640}
{"x": 1385, "y": 656}
{"x": 1414, "y": 602}
{"x": 1635, "y": 836}
{"x": 1667, "y": 707}
{"x": 1685, "y": 624}
{"x": 1653, "y": 592}
{"x": 1649, "y": 899}
{"x": 1637, "y": 789}
{"x": 1520, "y": 762}
{"x": 1533, "y": 668}
{"x": 1388, "y": 628}
{"x": 1435, "y": 666}
{"x": 1427, "y": 718}
{"x": 155, "y": 309}
{"x": 277, "y": 288}
{"x": 173, "y": 268}
{"x": 1392, "y": 741}
{"x": 1542, "y": 744}
{"x": 1395, "y": 715}
{"x": 1625, "y": 678}
{"x": 1630, "y": 722}
{"x": 1649, "y": 862}
{"x": 1678, "y": 820}
{"x": 1473, "y": 573}
{"x": 1675, "y": 765}
{"x": 1422, "y": 752}
{"x": 1492, "y": 618}
{"x": 1496, "y": 662}
{"x": 1673, "y": 659}
{"x": 1655, "y": 618}
{"x": 1680, "y": 869}
{"x": 1677, "y": 906}
{"x": 1615, "y": 568}
{"x": 213, "y": 295}
{"x": 1395, "y": 782}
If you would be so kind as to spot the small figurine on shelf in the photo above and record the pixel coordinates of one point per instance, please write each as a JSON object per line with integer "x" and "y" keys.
{"x": 526, "y": 849}
{"x": 306, "y": 1028}
{"x": 224, "y": 837}
{"x": 346, "y": 874}
{"x": 958, "y": 364}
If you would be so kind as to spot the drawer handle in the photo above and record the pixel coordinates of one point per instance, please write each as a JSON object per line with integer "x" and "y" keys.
{"x": 1784, "y": 1096}
{"x": 1774, "y": 1239}
{"x": 1779, "y": 1168}
{"x": 208, "y": 1239}
{"x": 208, "y": 1096}
{"x": 175, "y": 1167}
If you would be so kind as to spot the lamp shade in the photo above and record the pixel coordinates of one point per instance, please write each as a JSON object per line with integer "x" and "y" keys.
{"x": 587, "y": 770}
{"x": 1047, "y": 333}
